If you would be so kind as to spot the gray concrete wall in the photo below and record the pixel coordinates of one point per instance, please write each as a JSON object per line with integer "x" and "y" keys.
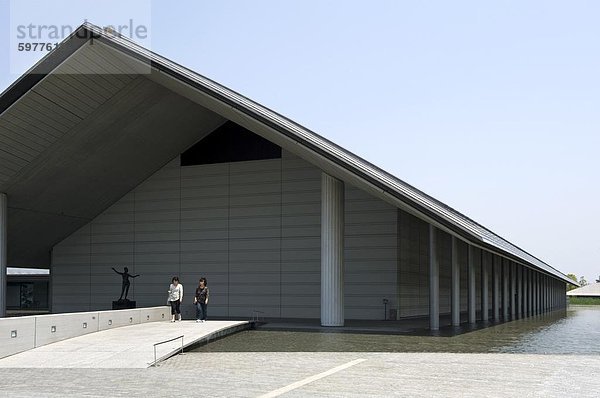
{"x": 413, "y": 259}
{"x": 251, "y": 228}
{"x": 301, "y": 239}
{"x": 371, "y": 265}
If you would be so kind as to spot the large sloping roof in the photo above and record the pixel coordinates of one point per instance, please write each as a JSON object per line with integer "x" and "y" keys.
{"x": 118, "y": 63}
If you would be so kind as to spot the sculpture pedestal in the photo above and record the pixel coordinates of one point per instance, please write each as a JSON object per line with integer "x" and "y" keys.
{"x": 123, "y": 305}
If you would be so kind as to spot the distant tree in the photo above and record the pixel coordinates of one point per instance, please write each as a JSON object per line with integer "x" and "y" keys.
{"x": 574, "y": 278}
{"x": 582, "y": 281}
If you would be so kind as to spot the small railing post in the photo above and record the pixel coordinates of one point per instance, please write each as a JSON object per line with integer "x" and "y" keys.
{"x": 167, "y": 341}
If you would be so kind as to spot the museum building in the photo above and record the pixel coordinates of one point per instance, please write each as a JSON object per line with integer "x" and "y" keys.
{"x": 113, "y": 156}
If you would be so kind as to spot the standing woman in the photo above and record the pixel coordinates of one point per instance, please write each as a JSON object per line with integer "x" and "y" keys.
{"x": 201, "y": 300}
{"x": 175, "y": 298}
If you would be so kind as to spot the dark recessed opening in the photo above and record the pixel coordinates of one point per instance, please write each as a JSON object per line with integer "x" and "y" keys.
{"x": 230, "y": 143}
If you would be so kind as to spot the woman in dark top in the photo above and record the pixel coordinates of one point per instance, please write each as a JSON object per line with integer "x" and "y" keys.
{"x": 201, "y": 300}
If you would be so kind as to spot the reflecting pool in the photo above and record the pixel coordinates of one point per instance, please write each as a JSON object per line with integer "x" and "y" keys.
{"x": 574, "y": 331}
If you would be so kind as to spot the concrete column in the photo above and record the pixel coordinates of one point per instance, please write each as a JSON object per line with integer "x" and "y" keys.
{"x": 530, "y": 291}
{"x": 542, "y": 293}
{"x": 332, "y": 251}
{"x": 557, "y": 292}
{"x": 555, "y": 295}
{"x": 434, "y": 280}
{"x": 455, "y": 284}
{"x": 472, "y": 297}
{"x": 546, "y": 297}
{"x": 562, "y": 296}
{"x": 496, "y": 287}
{"x": 549, "y": 292}
{"x": 526, "y": 292}
{"x": 551, "y": 303}
{"x": 519, "y": 290}
{"x": 554, "y": 305}
{"x": 505, "y": 288}
{"x": 3, "y": 257}
{"x": 484, "y": 287}
{"x": 513, "y": 290}
{"x": 533, "y": 297}
{"x": 552, "y": 294}
{"x": 545, "y": 286}
{"x": 549, "y": 287}
{"x": 537, "y": 293}
{"x": 538, "y": 297}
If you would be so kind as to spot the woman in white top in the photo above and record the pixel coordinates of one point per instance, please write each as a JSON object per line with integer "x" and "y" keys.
{"x": 175, "y": 298}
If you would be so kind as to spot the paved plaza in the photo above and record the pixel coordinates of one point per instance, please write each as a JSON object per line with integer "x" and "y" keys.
{"x": 115, "y": 363}
{"x": 322, "y": 374}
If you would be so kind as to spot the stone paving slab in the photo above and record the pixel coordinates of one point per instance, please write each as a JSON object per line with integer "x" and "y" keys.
{"x": 380, "y": 375}
{"x": 124, "y": 347}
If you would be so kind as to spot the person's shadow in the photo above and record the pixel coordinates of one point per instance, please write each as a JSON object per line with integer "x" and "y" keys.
{"x": 125, "y": 287}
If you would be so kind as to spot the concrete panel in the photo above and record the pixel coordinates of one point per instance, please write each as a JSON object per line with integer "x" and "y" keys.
{"x": 413, "y": 275}
{"x": 25, "y": 335}
{"x": 57, "y": 327}
{"x": 115, "y": 319}
{"x": 371, "y": 255}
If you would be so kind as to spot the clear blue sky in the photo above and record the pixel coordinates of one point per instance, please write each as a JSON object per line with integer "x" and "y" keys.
{"x": 491, "y": 107}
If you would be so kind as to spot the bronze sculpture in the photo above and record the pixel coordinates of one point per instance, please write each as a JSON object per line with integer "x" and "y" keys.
{"x": 125, "y": 287}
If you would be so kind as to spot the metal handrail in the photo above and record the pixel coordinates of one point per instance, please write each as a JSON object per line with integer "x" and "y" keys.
{"x": 167, "y": 341}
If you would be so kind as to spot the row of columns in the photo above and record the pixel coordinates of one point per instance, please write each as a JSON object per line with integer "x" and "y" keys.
{"x": 516, "y": 291}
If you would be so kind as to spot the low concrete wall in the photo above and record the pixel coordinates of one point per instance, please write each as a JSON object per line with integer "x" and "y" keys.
{"x": 16, "y": 335}
{"x": 24, "y": 333}
{"x": 57, "y": 327}
{"x": 115, "y": 319}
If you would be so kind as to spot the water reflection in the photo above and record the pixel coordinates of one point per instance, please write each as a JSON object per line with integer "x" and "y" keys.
{"x": 575, "y": 331}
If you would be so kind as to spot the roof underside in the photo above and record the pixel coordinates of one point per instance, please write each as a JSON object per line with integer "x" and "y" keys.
{"x": 95, "y": 118}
